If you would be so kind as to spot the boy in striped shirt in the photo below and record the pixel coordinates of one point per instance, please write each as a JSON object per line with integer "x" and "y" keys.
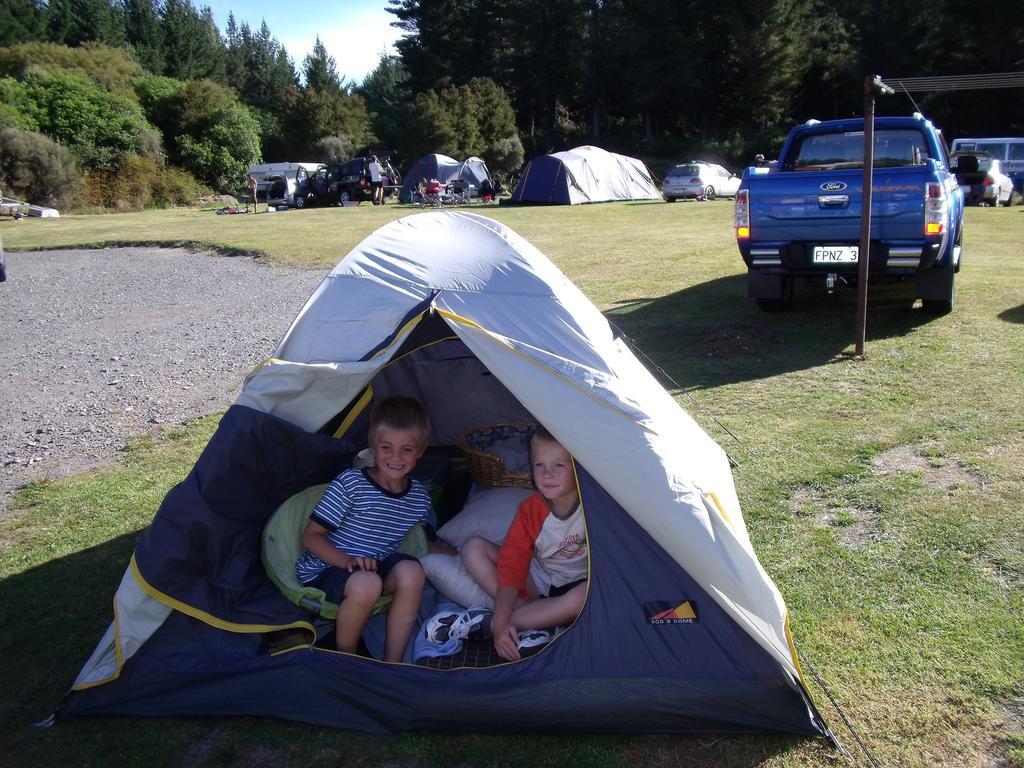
{"x": 352, "y": 537}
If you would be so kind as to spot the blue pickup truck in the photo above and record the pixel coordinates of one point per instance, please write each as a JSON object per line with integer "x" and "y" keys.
{"x": 801, "y": 216}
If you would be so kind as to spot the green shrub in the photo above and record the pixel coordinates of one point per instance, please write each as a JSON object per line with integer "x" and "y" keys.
{"x": 175, "y": 187}
{"x": 111, "y": 68}
{"x": 17, "y": 109}
{"x": 138, "y": 183}
{"x": 215, "y": 136}
{"x": 334, "y": 149}
{"x": 98, "y": 126}
{"x": 36, "y": 169}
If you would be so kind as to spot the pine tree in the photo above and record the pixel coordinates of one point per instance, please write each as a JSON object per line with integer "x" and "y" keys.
{"x": 144, "y": 33}
{"x": 320, "y": 69}
{"x": 22, "y": 21}
{"x": 192, "y": 45}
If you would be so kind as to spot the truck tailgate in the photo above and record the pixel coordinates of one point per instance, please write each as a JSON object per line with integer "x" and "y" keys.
{"x": 825, "y": 206}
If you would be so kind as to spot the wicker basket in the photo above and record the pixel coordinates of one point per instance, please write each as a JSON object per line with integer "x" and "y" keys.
{"x": 487, "y": 468}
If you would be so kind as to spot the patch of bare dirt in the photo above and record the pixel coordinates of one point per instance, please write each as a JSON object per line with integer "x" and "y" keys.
{"x": 944, "y": 473}
{"x": 853, "y": 527}
{"x": 737, "y": 339}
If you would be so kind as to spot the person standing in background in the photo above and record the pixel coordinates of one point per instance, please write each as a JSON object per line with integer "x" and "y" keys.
{"x": 376, "y": 180}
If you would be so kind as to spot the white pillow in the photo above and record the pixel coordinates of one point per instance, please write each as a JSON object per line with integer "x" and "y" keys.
{"x": 487, "y": 513}
{"x": 450, "y": 577}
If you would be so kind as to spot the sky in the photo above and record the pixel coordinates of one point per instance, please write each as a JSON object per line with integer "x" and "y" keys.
{"x": 355, "y": 32}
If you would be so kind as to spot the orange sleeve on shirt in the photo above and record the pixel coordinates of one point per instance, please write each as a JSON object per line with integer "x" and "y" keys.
{"x": 517, "y": 550}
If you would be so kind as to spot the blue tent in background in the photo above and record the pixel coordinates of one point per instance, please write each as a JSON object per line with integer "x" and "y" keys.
{"x": 444, "y": 169}
{"x": 584, "y": 175}
{"x": 682, "y": 630}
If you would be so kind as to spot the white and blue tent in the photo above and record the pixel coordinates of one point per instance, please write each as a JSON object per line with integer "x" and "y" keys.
{"x": 584, "y": 175}
{"x": 682, "y": 630}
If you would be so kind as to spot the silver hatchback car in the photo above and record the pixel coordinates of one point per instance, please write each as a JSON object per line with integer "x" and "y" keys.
{"x": 696, "y": 179}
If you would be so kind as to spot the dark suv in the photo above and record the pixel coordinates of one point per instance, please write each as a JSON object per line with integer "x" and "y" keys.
{"x": 344, "y": 182}
{"x": 348, "y": 181}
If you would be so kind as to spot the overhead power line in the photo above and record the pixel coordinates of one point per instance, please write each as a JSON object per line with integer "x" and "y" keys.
{"x": 956, "y": 82}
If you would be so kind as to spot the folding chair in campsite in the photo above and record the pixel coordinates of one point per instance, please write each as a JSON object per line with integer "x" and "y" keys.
{"x": 432, "y": 195}
{"x": 460, "y": 193}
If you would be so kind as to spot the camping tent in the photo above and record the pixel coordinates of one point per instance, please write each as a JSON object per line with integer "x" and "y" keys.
{"x": 584, "y": 175}
{"x": 682, "y": 630}
{"x": 444, "y": 169}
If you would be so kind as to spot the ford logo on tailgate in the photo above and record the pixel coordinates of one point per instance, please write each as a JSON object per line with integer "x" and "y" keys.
{"x": 833, "y": 186}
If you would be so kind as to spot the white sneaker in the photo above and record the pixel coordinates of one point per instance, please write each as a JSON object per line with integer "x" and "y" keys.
{"x": 533, "y": 638}
{"x": 443, "y": 626}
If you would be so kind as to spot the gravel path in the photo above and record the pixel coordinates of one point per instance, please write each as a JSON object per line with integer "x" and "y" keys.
{"x": 100, "y": 345}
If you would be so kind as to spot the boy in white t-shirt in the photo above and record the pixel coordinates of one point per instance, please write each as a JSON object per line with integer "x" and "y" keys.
{"x": 549, "y": 528}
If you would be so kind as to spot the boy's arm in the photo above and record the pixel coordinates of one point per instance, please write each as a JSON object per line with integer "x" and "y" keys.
{"x": 506, "y": 635}
{"x": 314, "y": 538}
{"x": 516, "y": 550}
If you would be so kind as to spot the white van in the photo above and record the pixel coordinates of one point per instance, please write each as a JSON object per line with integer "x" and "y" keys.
{"x": 293, "y": 175}
{"x": 1008, "y": 151}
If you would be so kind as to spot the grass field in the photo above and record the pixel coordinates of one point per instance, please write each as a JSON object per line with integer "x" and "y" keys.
{"x": 883, "y": 495}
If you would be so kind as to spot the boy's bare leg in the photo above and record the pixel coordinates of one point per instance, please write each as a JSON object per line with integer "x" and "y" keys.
{"x": 361, "y": 591}
{"x": 550, "y": 612}
{"x": 480, "y": 557}
{"x": 405, "y": 582}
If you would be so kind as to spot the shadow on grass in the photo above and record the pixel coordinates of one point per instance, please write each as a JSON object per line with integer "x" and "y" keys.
{"x": 54, "y": 614}
{"x": 1013, "y": 315}
{"x": 711, "y": 334}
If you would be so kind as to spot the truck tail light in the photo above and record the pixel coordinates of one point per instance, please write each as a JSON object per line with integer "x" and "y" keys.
{"x": 987, "y": 182}
{"x": 935, "y": 209}
{"x": 743, "y": 214}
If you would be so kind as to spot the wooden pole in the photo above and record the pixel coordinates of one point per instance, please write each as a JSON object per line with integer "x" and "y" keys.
{"x": 865, "y": 214}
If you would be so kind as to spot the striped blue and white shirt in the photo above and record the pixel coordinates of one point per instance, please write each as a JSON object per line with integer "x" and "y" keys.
{"x": 363, "y": 520}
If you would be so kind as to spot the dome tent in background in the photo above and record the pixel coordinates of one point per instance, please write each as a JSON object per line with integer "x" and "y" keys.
{"x": 584, "y": 175}
{"x": 444, "y": 169}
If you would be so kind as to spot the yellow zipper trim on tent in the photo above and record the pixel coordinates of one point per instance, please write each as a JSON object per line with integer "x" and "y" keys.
{"x": 263, "y": 364}
{"x": 552, "y": 371}
{"x": 117, "y": 655}
{"x": 210, "y": 619}
{"x": 796, "y": 659}
{"x": 367, "y": 396}
{"x": 718, "y": 505}
{"x": 412, "y": 323}
{"x": 357, "y": 409}
{"x": 394, "y": 360}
